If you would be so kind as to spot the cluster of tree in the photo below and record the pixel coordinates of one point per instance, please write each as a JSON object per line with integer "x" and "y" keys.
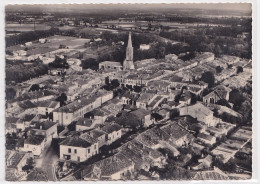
{"x": 90, "y": 63}
{"x": 59, "y": 63}
{"x": 219, "y": 40}
{"x": 209, "y": 78}
{"x": 29, "y": 36}
{"x": 62, "y": 99}
{"x": 19, "y": 72}
{"x": 113, "y": 84}
{"x": 10, "y": 93}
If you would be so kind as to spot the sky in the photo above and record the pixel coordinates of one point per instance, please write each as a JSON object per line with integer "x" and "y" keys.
{"x": 245, "y": 7}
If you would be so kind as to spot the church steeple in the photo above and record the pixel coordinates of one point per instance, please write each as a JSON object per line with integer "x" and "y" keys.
{"x": 128, "y": 62}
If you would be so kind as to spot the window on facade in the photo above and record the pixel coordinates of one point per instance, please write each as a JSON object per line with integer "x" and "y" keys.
{"x": 75, "y": 151}
{"x": 95, "y": 147}
{"x": 69, "y": 150}
{"x": 88, "y": 150}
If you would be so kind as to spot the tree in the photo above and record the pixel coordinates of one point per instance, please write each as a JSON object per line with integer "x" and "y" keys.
{"x": 218, "y": 69}
{"x": 209, "y": 78}
{"x": 239, "y": 69}
{"x": 10, "y": 93}
{"x": 115, "y": 83}
{"x": 35, "y": 87}
{"x": 29, "y": 161}
{"x": 62, "y": 98}
{"x": 236, "y": 98}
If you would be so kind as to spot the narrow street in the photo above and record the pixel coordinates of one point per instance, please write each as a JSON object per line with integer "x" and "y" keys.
{"x": 49, "y": 158}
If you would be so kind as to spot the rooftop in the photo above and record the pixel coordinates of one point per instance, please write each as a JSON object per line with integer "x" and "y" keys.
{"x": 111, "y": 128}
{"x": 76, "y": 141}
{"x": 34, "y": 139}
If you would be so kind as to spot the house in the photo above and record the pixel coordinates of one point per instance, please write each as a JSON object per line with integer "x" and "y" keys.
{"x": 48, "y": 129}
{"x": 206, "y": 138}
{"x": 145, "y": 47}
{"x": 165, "y": 113}
{"x": 144, "y": 99}
{"x": 129, "y": 98}
{"x": 42, "y": 40}
{"x": 113, "y": 132}
{"x": 56, "y": 71}
{"x": 220, "y": 92}
{"x": 204, "y": 163}
{"x": 16, "y": 160}
{"x": 185, "y": 98}
{"x": 211, "y": 174}
{"x": 86, "y": 124}
{"x": 112, "y": 168}
{"x": 10, "y": 124}
{"x": 46, "y": 107}
{"x": 34, "y": 144}
{"x": 200, "y": 112}
{"x": 143, "y": 116}
{"x": 71, "y": 112}
{"x": 77, "y": 149}
{"x": 178, "y": 135}
{"x": 110, "y": 65}
{"x": 99, "y": 135}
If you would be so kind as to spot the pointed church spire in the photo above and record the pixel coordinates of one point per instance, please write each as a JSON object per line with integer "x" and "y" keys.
{"x": 129, "y": 40}
{"x": 128, "y": 62}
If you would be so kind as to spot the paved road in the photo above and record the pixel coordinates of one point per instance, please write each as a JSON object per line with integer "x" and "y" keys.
{"x": 48, "y": 162}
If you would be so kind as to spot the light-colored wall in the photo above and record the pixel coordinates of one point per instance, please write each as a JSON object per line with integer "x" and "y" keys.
{"x": 81, "y": 152}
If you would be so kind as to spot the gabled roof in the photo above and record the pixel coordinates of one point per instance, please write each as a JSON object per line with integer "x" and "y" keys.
{"x": 45, "y": 125}
{"x": 34, "y": 139}
{"x": 76, "y": 141}
{"x": 111, "y": 128}
{"x": 174, "y": 131}
{"x": 140, "y": 113}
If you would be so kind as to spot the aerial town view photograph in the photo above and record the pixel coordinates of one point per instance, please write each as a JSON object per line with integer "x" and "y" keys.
{"x": 99, "y": 92}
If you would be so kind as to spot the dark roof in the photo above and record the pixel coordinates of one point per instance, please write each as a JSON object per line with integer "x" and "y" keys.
{"x": 45, "y": 125}
{"x": 26, "y": 104}
{"x": 111, "y": 128}
{"x": 97, "y": 133}
{"x": 28, "y": 117}
{"x": 205, "y": 136}
{"x": 84, "y": 122}
{"x": 16, "y": 158}
{"x": 174, "y": 131}
{"x": 76, "y": 142}
{"x": 11, "y": 120}
{"x": 48, "y": 103}
{"x": 34, "y": 139}
{"x": 113, "y": 164}
{"x": 140, "y": 113}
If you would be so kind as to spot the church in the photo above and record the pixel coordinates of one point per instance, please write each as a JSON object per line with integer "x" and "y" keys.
{"x": 128, "y": 63}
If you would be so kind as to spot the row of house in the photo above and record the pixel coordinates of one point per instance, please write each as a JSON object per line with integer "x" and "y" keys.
{"x": 79, "y": 148}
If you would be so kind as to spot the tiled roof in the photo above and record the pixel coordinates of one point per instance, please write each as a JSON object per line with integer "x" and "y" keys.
{"x": 111, "y": 128}
{"x": 15, "y": 159}
{"x": 28, "y": 117}
{"x": 34, "y": 139}
{"x": 140, "y": 113}
{"x": 76, "y": 141}
{"x": 45, "y": 125}
{"x": 48, "y": 103}
{"x": 205, "y": 136}
{"x": 174, "y": 131}
{"x": 113, "y": 164}
{"x": 26, "y": 104}
{"x": 84, "y": 122}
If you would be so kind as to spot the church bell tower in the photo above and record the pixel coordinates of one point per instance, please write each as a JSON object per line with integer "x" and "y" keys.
{"x": 128, "y": 62}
